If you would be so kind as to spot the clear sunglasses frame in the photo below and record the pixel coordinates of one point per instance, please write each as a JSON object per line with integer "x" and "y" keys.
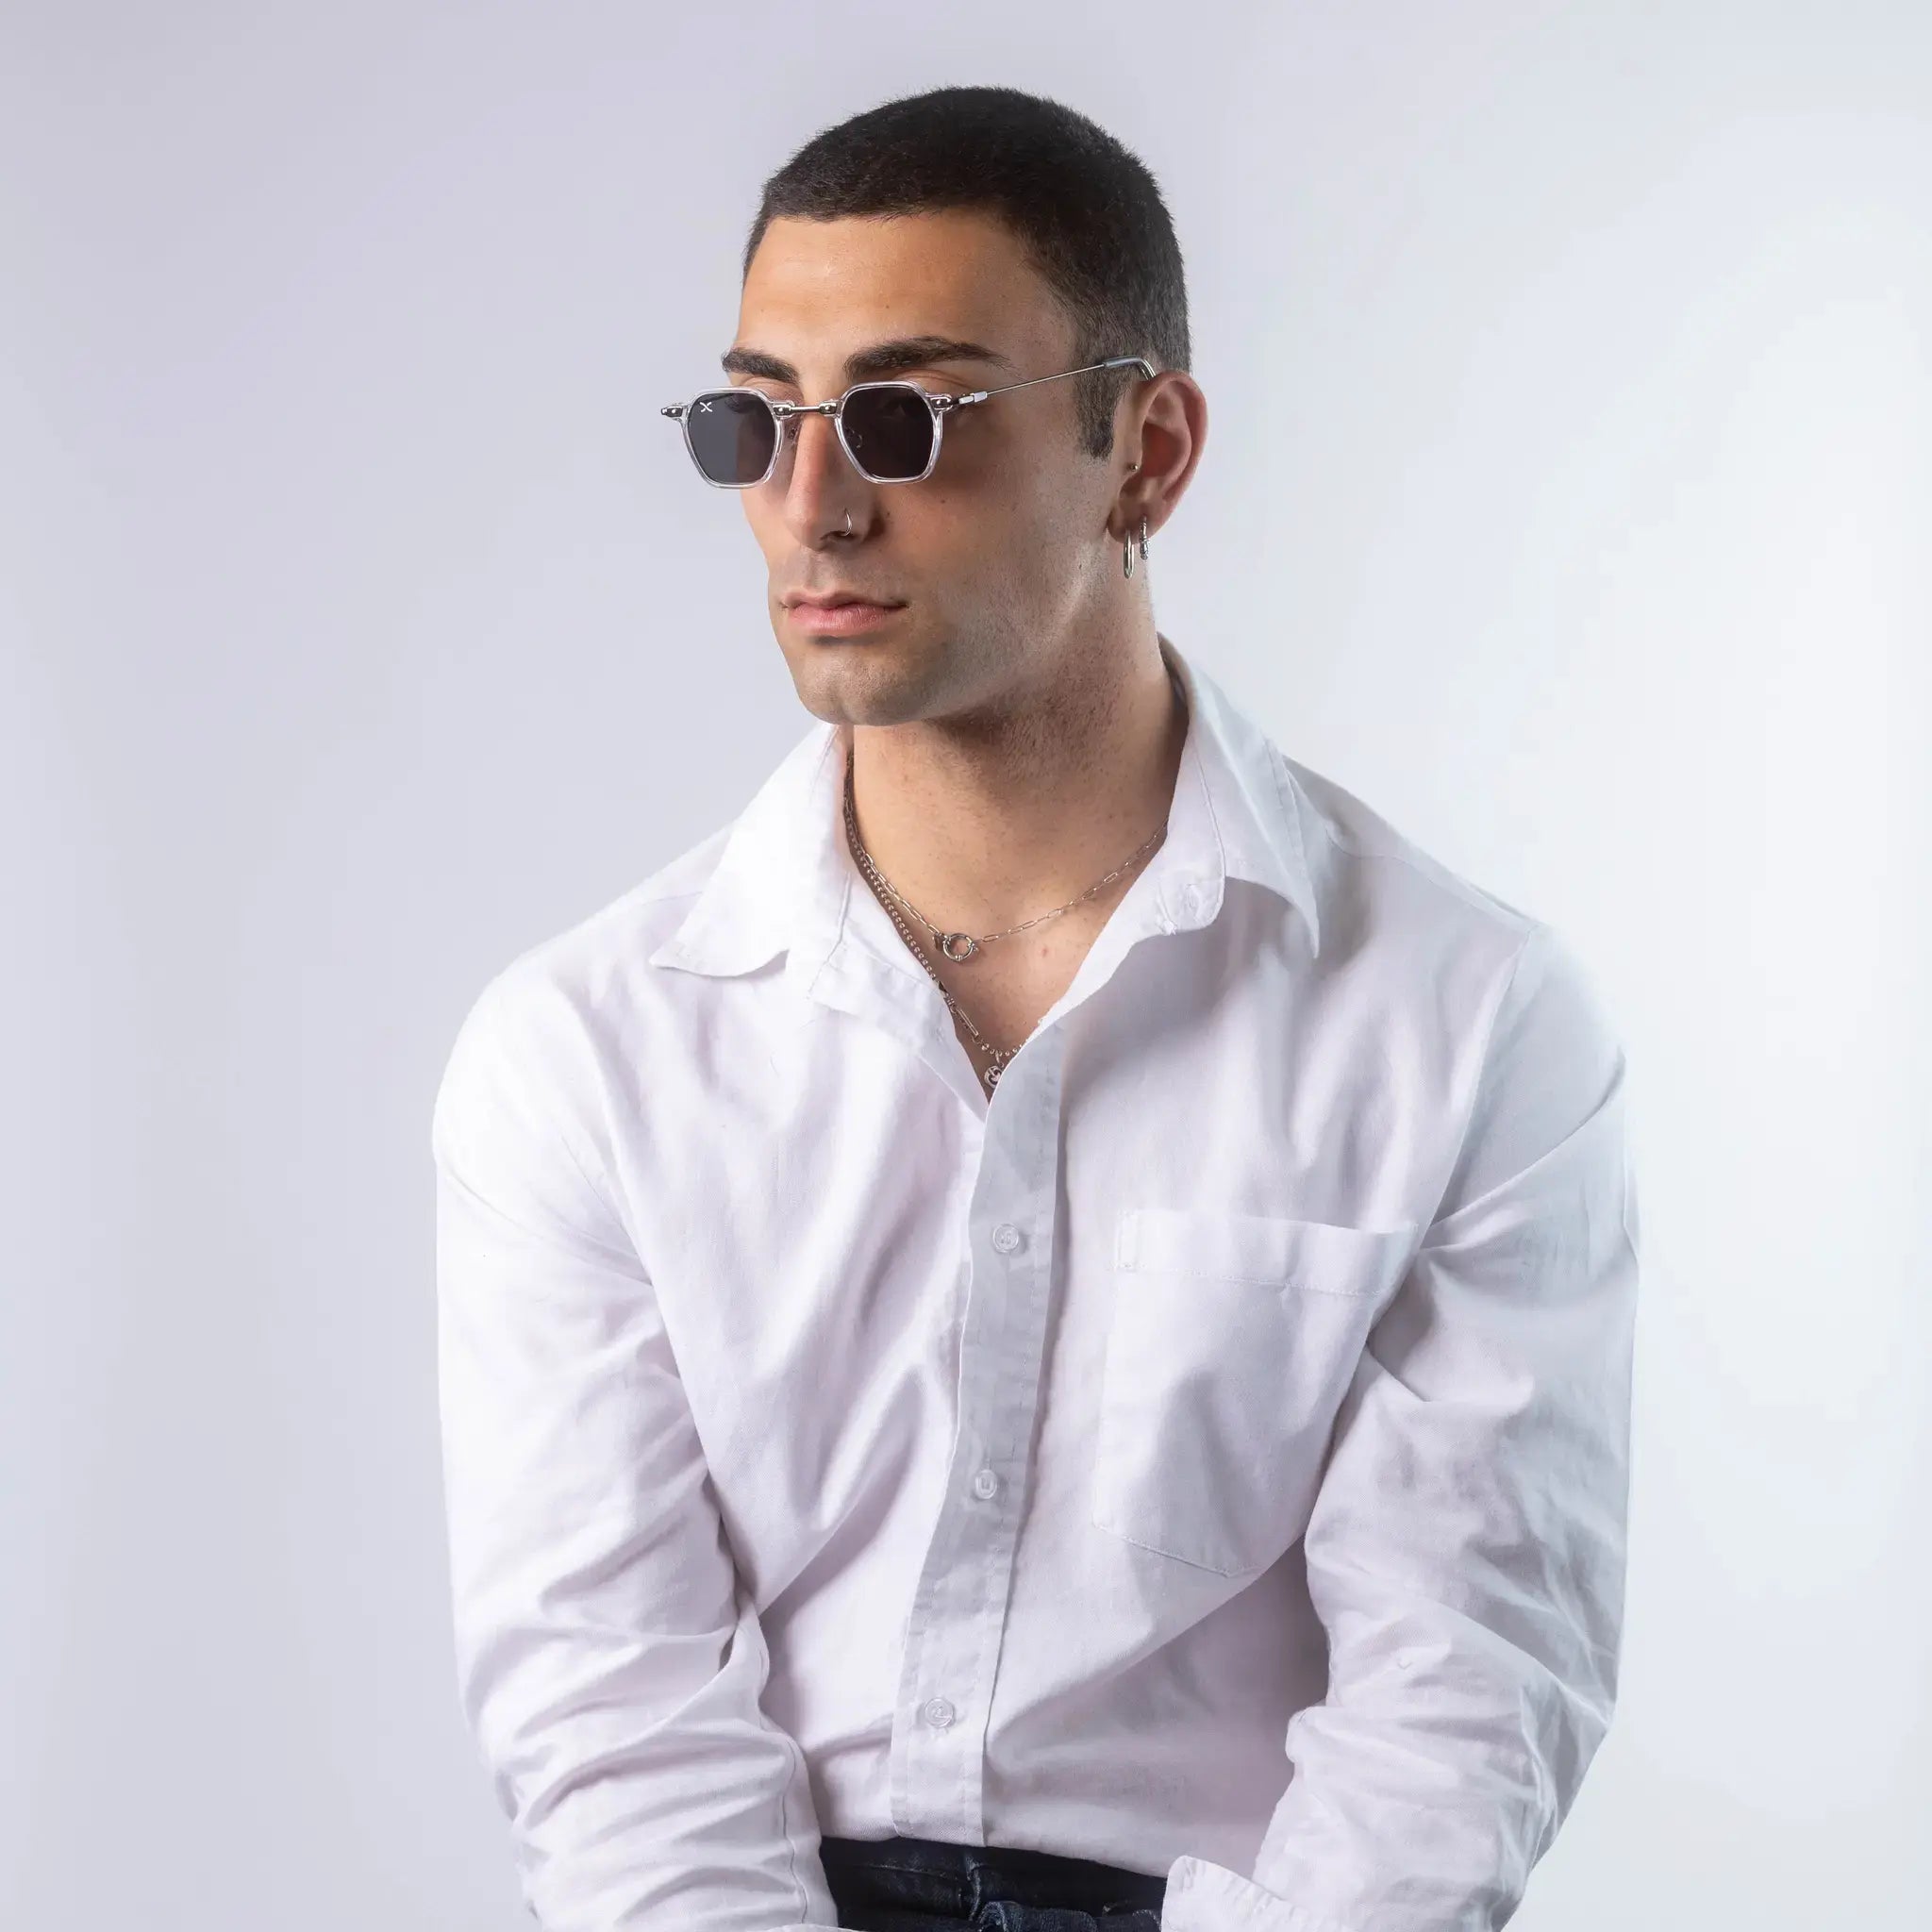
{"x": 940, "y": 406}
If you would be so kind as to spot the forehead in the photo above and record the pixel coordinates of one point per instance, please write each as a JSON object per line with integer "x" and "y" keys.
{"x": 817, "y": 289}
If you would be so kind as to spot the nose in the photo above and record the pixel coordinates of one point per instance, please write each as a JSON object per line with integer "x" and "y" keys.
{"x": 820, "y": 486}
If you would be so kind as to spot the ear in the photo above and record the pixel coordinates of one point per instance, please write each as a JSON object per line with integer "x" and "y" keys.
{"x": 1170, "y": 433}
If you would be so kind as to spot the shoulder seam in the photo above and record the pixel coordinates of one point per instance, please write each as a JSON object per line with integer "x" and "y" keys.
{"x": 1437, "y": 874}
{"x": 566, "y": 1138}
{"x": 1482, "y": 1062}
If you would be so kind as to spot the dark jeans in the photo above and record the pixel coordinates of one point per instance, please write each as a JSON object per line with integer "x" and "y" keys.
{"x": 924, "y": 1885}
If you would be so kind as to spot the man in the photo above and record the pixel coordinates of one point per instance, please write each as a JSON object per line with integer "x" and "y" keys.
{"x": 1037, "y": 1332}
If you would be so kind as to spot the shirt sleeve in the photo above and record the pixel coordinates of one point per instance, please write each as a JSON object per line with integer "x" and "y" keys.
{"x": 610, "y": 1662}
{"x": 1466, "y": 1548}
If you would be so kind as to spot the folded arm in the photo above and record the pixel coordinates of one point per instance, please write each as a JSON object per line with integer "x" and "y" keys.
{"x": 610, "y": 1662}
{"x": 1466, "y": 1549}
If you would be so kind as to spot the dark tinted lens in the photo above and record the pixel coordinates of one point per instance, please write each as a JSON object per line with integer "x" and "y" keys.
{"x": 732, "y": 435}
{"x": 889, "y": 430}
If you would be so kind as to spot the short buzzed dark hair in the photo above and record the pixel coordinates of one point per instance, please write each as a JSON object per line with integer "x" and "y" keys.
{"x": 1088, "y": 213}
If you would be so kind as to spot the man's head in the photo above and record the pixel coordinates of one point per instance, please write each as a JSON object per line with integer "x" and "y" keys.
{"x": 981, "y": 216}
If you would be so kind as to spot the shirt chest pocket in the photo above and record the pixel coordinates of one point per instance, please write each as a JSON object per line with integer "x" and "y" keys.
{"x": 1232, "y": 1340}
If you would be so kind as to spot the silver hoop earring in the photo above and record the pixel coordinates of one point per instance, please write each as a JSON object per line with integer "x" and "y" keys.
{"x": 1127, "y": 550}
{"x": 848, "y": 522}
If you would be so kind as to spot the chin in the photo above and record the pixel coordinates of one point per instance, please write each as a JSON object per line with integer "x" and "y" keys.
{"x": 854, "y": 682}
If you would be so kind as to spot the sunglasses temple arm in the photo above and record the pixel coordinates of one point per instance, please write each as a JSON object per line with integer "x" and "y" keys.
{"x": 1140, "y": 362}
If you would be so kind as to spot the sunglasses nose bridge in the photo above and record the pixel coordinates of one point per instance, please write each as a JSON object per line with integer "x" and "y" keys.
{"x": 791, "y": 420}
{"x": 785, "y": 411}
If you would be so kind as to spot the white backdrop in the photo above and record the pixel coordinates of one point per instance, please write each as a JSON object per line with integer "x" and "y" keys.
{"x": 1567, "y": 495}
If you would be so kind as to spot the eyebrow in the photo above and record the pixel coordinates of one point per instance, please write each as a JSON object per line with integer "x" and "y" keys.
{"x": 880, "y": 359}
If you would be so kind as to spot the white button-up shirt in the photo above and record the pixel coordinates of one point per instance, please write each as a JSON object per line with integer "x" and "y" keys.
{"x": 1207, "y": 1454}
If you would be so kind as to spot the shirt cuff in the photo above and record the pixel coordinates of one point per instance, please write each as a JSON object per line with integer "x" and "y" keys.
{"x": 1205, "y": 1897}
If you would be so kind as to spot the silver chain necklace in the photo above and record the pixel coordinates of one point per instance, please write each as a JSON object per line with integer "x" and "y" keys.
{"x": 948, "y": 941}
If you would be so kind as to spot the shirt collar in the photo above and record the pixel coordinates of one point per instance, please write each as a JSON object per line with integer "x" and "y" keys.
{"x": 784, "y": 879}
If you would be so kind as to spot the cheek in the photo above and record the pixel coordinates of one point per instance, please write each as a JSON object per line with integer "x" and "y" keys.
{"x": 765, "y": 517}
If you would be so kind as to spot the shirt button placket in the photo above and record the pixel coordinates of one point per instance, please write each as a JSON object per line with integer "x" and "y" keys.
{"x": 957, "y": 1618}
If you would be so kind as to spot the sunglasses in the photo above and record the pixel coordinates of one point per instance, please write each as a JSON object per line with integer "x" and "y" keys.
{"x": 889, "y": 431}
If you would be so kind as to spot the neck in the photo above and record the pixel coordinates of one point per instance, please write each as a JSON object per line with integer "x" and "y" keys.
{"x": 986, "y": 819}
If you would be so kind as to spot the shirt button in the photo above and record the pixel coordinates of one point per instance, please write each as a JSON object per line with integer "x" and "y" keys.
{"x": 939, "y": 1713}
{"x": 1194, "y": 896}
{"x": 1005, "y": 1237}
{"x": 985, "y": 1484}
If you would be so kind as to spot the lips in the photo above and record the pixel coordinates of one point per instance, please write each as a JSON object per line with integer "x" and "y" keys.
{"x": 841, "y": 620}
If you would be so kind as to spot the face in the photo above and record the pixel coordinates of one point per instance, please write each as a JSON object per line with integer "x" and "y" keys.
{"x": 999, "y": 563}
